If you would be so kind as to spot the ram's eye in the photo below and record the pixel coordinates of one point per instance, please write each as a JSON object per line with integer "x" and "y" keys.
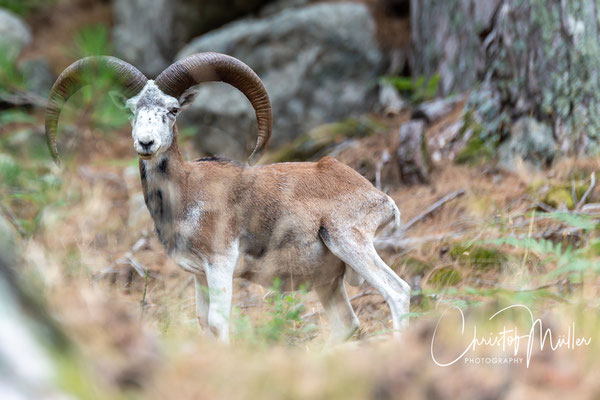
{"x": 173, "y": 111}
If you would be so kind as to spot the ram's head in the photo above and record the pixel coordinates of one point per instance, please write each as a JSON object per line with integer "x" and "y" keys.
{"x": 153, "y": 105}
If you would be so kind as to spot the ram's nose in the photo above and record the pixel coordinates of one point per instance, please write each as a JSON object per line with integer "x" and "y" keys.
{"x": 146, "y": 145}
{"x": 145, "y": 148}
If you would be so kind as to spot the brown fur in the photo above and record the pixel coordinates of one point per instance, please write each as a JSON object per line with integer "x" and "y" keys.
{"x": 277, "y": 212}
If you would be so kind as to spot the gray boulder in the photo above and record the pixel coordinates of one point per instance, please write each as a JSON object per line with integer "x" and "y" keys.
{"x": 531, "y": 141}
{"x": 38, "y": 75}
{"x": 319, "y": 64}
{"x": 14, "y": 34}
{"x": 148, "y": 33}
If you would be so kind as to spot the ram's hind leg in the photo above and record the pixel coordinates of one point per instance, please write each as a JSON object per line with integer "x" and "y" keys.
{"x": 340, "y": 314}
{"x": 357, "y": 251}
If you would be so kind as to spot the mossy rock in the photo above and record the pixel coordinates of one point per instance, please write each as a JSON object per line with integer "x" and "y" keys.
{"x": 480, "y": 257}
{"x": 476, "y": 150}
{"x": 319, "y": 139}
{"x": 444, "y": 277}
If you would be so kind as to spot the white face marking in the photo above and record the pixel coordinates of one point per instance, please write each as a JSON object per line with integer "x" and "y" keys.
{"x": 153, "y": 115}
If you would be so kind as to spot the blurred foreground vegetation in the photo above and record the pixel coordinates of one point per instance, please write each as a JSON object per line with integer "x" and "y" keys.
{"x": 82, "y": 240}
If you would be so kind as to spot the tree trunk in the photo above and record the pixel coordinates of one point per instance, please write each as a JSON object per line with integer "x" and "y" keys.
{"x": 536, "y": 58}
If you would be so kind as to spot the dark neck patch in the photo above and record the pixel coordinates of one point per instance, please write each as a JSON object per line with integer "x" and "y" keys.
{"x": 143, "y": 172}
{"x": 163, "y": 165}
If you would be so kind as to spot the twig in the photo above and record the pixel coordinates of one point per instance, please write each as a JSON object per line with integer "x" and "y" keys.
{"x": 364, "y": 293}
{"x": 129, "y": 259}
{"x": 528, "y": 236}
{"x": 574, "y": 192}
{"x": 587, "y": 192}
{"x": 433, "y": 208}
{"x": 23, "y": 99}
{"x": 395, "y": 241}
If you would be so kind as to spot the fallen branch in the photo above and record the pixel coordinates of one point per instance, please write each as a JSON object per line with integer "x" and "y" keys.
{"x": 394, "y": 242}
{"x": 23, "y": 99}
{"x": 129, "y": 259}
{"x": 431, "y": 209}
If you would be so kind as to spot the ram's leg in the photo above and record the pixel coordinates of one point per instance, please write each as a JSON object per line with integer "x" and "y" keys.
{"x": 219, "y": 276}
{"x": 201, "y": 300}
{"x": 340, "y": 314}
{"x": 357, "y": 251}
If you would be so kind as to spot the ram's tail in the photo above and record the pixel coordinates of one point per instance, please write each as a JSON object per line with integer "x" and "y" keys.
{"x": 394, "y": 217}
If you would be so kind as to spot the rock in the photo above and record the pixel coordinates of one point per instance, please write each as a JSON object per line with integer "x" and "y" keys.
{"x": 38, "y": 76}
{"x": 148, "y": 33}
{"x": 143, "y": 33}
{"x": 412, "y": 154}
{"x": 390, "y": 100}
{"x": 14, "y": 34}
{"x": 318, "y": 64}
{"x": 530, "y": 141}
{"x": 432, "y": 111}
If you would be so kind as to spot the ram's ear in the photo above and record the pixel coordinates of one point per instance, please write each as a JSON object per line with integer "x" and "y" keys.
{"x": 188, "y": 97}
{"x": 118, "y": 98}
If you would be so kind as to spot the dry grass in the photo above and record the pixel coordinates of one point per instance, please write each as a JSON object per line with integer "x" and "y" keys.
{"x": 159, "y": 352}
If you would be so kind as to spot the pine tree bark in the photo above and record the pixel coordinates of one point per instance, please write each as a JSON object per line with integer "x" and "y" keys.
{"x": 536, "y": 58}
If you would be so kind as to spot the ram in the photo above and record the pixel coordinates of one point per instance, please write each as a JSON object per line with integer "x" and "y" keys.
{"x": 304, "y": 223}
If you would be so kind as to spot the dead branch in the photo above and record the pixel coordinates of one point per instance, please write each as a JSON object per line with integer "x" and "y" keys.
{"x": 23, "y": 99}
{"x": 431, "y": 209}
{"x": 587, "y": 192}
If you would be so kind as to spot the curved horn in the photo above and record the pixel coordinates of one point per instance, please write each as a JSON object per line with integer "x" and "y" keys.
{"x": 75, "y": 76}
{"x": 207, "y": 67}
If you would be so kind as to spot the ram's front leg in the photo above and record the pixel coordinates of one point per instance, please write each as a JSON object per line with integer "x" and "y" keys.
{"x": 219, "y": 276}
{"x": 201, "y": 300}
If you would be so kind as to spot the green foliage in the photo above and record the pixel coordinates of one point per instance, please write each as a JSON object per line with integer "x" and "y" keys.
{"x": 584, "y": 222}
{"x": 444, "y": 277}
{"x": 478, "y": 257}
{"x": 11, "y": 79}
{"x": 25, "y": 7}
{"x": 282, "y": 324}
{"x": 476, "y": 152}
{"x": 415, "y": 266}
{"x": 416, "y": 90}
{"x": 481, "y": 146}
{"x": 568, "y": 259}
{"x": 92, "y": 41}
{"x": 105, "y": 115}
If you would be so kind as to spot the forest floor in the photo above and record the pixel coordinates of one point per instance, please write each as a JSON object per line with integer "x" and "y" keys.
{"x": 508, "y": 238}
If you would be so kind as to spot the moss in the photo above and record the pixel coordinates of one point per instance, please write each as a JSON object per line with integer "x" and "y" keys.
{"x": 479, "y": 257}
{"x": 595, "y": 248}
{"x": 415, "y": 266}
{"x": 444, "y": 277}
{"x": 319, "y": 139}
{"x": 559, "y": 195}
{"x": 478, "y": 148}
{"x": 475, "y": 152}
